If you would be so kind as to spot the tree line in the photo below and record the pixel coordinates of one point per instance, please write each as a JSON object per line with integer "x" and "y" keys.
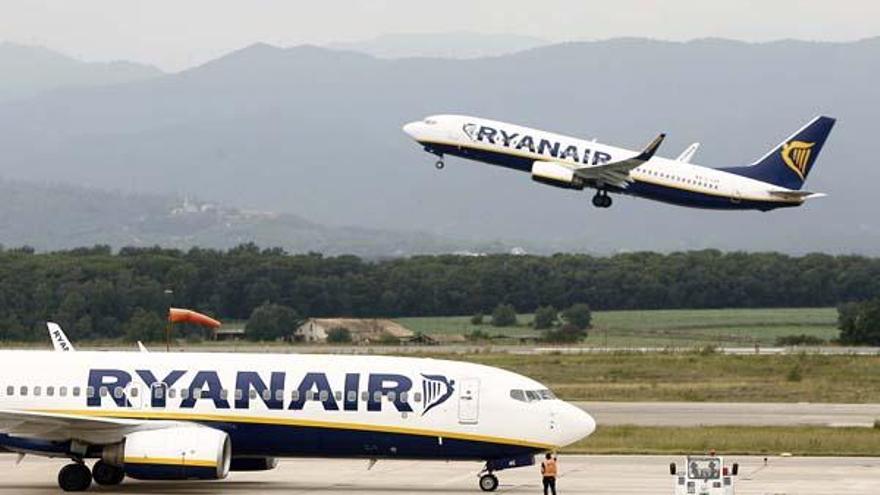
{"x": 97, "y": 293}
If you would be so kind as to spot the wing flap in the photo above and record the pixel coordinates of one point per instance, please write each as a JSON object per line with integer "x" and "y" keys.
{"x": 59, "y": 427}
{"x": 617, "y": 173}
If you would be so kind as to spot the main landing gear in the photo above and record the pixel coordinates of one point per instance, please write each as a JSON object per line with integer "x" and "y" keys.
{"x": 106, "y": 474}
{"x": 602, "y": 199}
{"x": 77, "y": 477}
{"x": 439, "y": 164}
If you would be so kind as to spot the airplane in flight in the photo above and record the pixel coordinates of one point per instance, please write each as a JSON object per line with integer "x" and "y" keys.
{"x": 182, "y": 416}
{"x": 773, "y": 181}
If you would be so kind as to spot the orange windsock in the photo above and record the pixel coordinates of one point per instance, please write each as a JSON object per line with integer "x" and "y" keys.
{"x": 178, "y": 315}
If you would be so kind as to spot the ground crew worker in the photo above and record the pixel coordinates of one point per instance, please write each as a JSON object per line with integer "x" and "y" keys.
{"x": 548, "y": 471}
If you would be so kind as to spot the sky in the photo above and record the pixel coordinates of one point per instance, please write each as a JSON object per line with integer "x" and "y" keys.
{"x": 176, "y": 34}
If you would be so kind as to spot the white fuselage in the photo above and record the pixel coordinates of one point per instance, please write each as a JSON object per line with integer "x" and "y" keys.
{"x": 292, "y": 404}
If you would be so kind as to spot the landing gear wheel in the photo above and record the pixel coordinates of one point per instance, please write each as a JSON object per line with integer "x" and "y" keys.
{"x": 74, "y": 477}
{"x": 601, "y": 199}
{"x": 439, "y": 165}
{"x": 107, "y": 475}
{"x": 488, "y": 482}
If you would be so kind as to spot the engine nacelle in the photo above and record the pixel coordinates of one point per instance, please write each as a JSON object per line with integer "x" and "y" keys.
{"x": 177, "y": 453}
{"x": 554, "y": 174}
{"x": 253, "y": 463}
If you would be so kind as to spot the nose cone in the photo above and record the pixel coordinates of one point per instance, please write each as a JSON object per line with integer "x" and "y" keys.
{"x": 575, "y": 424}
{"x": 412, "y": 129}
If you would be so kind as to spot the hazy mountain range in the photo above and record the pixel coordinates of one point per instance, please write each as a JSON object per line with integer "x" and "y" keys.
{"x": 316, "y": 132}
{"x": 30, "y": 70}
{"x": 442, "y": 45}
{"x": 55, "y": 216}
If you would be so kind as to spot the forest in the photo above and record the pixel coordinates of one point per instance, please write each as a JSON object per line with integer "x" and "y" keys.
{"x": 93, "y": 292}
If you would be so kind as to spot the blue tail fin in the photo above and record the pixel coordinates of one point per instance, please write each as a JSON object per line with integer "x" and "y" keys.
{"x": 788, "y": 164}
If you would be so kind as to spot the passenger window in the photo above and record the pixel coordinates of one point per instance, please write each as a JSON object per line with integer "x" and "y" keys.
{"x": 310, "y": 395}
{"x": 224, "y": 394}
{"x": 117, "y": 392}
{"x": 337, "y": 395}
{"x": 352, "y": 396}
{"x": 267, "y": 394}
{"x": 238, "y": 394}
{"x": 377, "y": 396}
{"x": 10, "y": 390}
{"x": 404, "y": 396}
{"x": 279, "y": 395}
{"x": 62, "y": 391}
{"x": 134, "y": 392}
{"x": 157, "y": 392}
{"x": 392, "y": 396}
{"x": 252, "y": 394}
{"x": 103, "y": 391}
{"x": 23, "y": 391}
{"x": 417, "y": 397}
{"x": 50, "y": 391}
{"x": 364, "y": 396}
{"x": 325, "y": 395}
{"x": 37, "y": 391}
{"x": 172, "y": 392}
{"x": 294, "y": 395}
{"x": 184, "y": 393}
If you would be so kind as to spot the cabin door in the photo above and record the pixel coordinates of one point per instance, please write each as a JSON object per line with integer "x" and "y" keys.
{"x": 469, "y": 401}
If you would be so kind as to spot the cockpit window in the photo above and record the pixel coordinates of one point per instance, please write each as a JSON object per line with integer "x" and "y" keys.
{"x": 430, "y": 121}
{"x": 532, "y": 395}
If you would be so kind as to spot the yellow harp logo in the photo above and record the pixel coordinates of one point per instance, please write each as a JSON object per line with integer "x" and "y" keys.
{"x": 796, "y": 154}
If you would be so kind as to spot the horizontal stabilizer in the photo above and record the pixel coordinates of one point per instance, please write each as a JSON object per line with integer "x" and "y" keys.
{"x": 795, "y": 195}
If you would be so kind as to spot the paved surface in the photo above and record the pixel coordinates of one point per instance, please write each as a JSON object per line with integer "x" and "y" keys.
{"x": 737, "y": 414}
{"x": 579, "y": 475}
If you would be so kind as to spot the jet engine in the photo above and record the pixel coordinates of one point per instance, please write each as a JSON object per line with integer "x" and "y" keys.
{"x": 554, "y": 174}
{"x": 175, "y": 453}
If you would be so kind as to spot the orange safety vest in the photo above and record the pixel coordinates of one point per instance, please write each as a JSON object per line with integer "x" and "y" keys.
{"x": 548, "y": 467}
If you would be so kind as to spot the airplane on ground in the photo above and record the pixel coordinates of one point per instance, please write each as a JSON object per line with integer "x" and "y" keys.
{"x": 773, "y": 181}
{"x": 180, "y": 416}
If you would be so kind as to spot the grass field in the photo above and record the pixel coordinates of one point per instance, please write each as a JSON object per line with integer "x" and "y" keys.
{"x": 729, "y": 440}
{"x": 694, "y": 376}
{"x": 675, "y": 328}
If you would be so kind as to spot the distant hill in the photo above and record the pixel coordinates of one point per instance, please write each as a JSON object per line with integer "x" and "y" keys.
{"x": 317, "y": 132}
{"x": 52, "y": 217}
{"x": 29, "y": 70}
{"x": 442, "y": 45}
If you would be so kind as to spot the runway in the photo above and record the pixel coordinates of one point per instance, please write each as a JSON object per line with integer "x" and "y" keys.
{"x": 733, "y": 414}
{"x": 578, "y": 475}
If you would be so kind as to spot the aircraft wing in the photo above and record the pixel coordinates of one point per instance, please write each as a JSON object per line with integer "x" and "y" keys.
{"x": 617, "y": 173}
{"x": 61, "y": 427}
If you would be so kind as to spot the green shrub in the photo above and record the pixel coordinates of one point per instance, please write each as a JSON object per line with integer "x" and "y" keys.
{"x": 578, "y": 315}
{"x": 566, "y": 334}
{"x": 545, "y": 317}
{"x": 504, "y": 315}
{"x": 802, "y": 339}
{"x": 477, "y": 319}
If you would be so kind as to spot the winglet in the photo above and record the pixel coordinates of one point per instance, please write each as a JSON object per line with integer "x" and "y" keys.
{"x": 59, "y": 340}
{"x": 687, "y": 154}
{"x": 649, "y": 151}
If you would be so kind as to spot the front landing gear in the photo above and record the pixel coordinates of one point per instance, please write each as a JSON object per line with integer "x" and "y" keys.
{"x": 602, "y": 199}
{"x": 439, "y": 164}
{"x": 488, "y": 482}
{"x": 75, "y": 477}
